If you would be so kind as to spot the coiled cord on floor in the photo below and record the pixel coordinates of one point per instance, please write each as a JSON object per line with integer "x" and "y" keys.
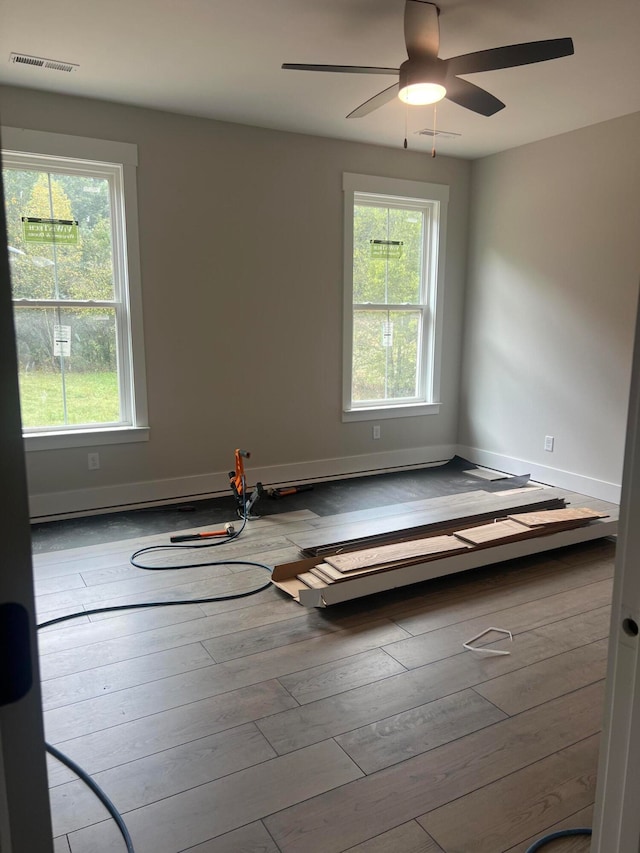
{"x": 150, "y": 548}
{"x": 61, "y": 756}
{"x": 552, "y": 836}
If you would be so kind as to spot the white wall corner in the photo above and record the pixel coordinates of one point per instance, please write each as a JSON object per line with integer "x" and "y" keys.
{"x": 589, "y": 486}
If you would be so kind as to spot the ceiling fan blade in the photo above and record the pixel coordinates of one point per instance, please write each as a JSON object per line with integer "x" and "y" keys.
{"x": 472, "y": 97}
{"x": 421, "y": 29}
{"x": 341, "y": 69}
{"x": 378, "y": 100}
{"x": 510, "y": 56}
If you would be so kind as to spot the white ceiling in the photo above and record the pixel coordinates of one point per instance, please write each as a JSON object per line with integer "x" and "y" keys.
{"x": 221, "y": 59}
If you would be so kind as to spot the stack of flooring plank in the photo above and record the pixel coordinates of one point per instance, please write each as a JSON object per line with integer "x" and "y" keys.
{"x": 339, "y": 568}
{"x": 347, "y": 564}
{"x": 444, "y": 515}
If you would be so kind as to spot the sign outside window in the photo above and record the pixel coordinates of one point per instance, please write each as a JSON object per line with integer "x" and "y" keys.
{"x": 62, "y": 340}
{"x": 60, "y": 231}
{"x": 384, "y": 249}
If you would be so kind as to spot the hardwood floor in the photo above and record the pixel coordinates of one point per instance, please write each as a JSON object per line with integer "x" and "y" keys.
{"x": 255, "y": 725}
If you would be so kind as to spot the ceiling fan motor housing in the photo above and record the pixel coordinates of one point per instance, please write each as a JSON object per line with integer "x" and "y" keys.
{"x": 423, "y": 70}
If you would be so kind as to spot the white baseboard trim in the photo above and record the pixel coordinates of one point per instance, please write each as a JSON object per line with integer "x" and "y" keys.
{"x": 600, "y": 489}
{"x": 104, "y": 499}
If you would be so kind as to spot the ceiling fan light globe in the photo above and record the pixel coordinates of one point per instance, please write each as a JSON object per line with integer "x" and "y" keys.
{"x": 419, "y": 94}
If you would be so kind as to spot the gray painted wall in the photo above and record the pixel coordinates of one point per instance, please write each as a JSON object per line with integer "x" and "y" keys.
{"x": 554, "y": 264}
{"x": 241, "y": 255}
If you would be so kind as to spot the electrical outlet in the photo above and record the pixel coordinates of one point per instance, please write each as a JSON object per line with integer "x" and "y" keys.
{"x": 93, "y": 461}
{"x": 376, "y": 431}
{"x": 548, "y": 443}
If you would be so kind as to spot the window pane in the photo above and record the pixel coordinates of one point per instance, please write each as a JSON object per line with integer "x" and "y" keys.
{"x": 67, "y": 366}
{"x": 385, "y": 355}
{"x": 387, "y": 254}
{"x": 57, "y": 260}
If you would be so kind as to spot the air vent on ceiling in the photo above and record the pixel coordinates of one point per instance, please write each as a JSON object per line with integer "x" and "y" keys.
{"x": 438, "y": 134}
{"x": 39, "y": 62}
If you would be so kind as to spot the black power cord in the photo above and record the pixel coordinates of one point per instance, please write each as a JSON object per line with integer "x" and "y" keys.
{"x": 61, "y": 756}
{"x": 561, "y": 833}
{"x": 97, "y": 790}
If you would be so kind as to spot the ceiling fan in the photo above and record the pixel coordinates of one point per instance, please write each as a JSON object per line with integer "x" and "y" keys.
{"x": 424, "y": 78}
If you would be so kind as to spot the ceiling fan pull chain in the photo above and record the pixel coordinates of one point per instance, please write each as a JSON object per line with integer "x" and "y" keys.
{"x": 406, "y": 120}
{"x": 433, "y": 144}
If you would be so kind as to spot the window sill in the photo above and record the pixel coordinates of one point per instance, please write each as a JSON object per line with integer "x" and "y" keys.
{"x": 387, "y": 412}
{"x": 84, "y": 438}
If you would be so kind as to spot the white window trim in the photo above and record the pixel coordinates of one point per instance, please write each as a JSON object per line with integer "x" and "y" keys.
{"x": 125, "y": 155}
{"x": 352, "y": 184}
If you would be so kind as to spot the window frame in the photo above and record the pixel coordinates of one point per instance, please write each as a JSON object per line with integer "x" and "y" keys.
{"x": 117, "y": 162}
{"x": 433, "y": 197}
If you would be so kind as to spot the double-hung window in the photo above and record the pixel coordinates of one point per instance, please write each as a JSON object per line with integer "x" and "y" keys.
{"x": 73, "y": 254}
{"x": 394, "y": 271}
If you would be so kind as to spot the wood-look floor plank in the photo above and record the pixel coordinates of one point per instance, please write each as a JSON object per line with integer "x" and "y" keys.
{"x": 201, "y": 813}
{"x": 408, "y": 838}
{"x": 157, "y": 732}
{"x": 151, "y": 779}
{"x": 514, "y": 808}
{"x": 361, "y": 810}
{"x": 368, "y": 557}
{"x": 74, "y": 635}
{"x": 444, "y": 601}
{"x": 539, "y": 519}
{"x": 298, "y": 727}
{"x": 587, "y": 552}
{"x": 507, "y": 593}
{"x": 65, "y": 662}
{"x": 496, "y": 532}
{"x": 92, "y": 557}
{"x": 66, "y": 556}
{"x": 542, "y": 681}
{"x": 151, "y": 583}
{"x": 46, "y": 586}
{"x": 252, "y": 838}
{"x": 439, "y": 643}
{"x": 582, "y": 819}
{"x": 46, "y": 615}
{"x": 328, "y": 679}
{"x": 295, "y": 626}
{"x": 94, "y": 715}
{"x": 370, "y": 513}
{"x": 100, "y": 680}
{"x": 57, "y": 773}
{"x": 413, "y": 732}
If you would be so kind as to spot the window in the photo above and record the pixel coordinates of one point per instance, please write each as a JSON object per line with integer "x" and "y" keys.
{"x": 394, "y": 260}
{"x": 72, "y": 236}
